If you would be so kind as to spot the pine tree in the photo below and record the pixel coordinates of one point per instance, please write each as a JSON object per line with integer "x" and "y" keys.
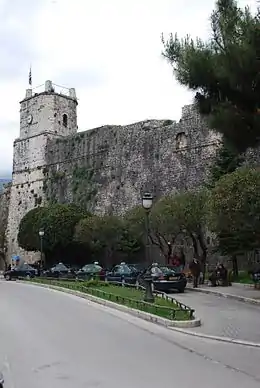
{"x": 224, "y": 72}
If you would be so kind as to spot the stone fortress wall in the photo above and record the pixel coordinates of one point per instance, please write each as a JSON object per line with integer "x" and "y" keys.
{"x": 105, "y": 169}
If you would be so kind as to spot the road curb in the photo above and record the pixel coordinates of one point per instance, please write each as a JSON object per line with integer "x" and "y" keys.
{"x": 216, "y": 338}
{"x": 244, "y": 285}
{"x": 225, "y": 295}
{"x": 140, "y": 314}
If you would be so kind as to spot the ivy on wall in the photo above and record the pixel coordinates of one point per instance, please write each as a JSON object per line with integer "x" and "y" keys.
{"x": 52, "y": 184}
{"x": 84, "y": 187}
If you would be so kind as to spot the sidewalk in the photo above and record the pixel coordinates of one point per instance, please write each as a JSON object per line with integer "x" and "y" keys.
{"x": 241, "y": 292}
{"x": 224, "y": 316}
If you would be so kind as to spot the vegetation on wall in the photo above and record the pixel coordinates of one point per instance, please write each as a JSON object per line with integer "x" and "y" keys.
{"x": 224, "y": 72}
{"x": 84, "y": 188}
{"x": 52, "y": 183}
{"x": 228, "y": 159}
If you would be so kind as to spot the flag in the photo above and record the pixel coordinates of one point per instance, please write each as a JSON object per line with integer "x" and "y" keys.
{"x": 30, "y": 76}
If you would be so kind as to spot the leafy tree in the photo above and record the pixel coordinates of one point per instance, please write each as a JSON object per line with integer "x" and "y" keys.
{"x": 28, "y": 234}
{"x": 58, "y": 222}
{"x": 190, "y": 212}
{"x": 227, "y": 161}
{"x": 162, "y": 228}
{"x": 129, "y": 244}
{"x": 172, "y": 216}
{"x": 224, "y": 72}
{"x": 234, "y": 212}
{"x": 106, "y": 235}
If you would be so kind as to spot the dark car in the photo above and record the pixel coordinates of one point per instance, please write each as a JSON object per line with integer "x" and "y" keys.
{"x": 166, "y": 279}
{"x": 90, "y": 271}
{"x": 256, "y": 277}
{"x": 123, "y": 272}
{"x": 59, "y": 271}
{"x": 139, "y": 267}
{"x": 1, "y": 380}
{"x": 22, "y": 271}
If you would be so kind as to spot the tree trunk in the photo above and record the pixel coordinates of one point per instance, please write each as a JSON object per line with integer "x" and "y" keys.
{"x": 204, "y": 254}
{"x": 235, "y": 266}
{"x": 195, "y": 246}
{"x": 157, "y": 240}
{"x": 4, "y": 259}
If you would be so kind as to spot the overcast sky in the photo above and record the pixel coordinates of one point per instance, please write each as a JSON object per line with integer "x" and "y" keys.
{"x": 109, "y": 50}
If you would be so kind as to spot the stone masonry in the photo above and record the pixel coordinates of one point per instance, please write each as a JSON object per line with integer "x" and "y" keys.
{"x": 4, "y": 209}
{"x": 105, "y": 169}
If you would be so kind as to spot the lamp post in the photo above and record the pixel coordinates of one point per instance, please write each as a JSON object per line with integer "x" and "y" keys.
{"x": 147, "y": 202}
{"x": 41, "y": 234}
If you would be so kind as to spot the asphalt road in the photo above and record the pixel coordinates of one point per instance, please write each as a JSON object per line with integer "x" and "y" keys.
{"x": 54, "y": 340}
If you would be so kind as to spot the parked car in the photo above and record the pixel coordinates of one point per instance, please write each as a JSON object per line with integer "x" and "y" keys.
{"x": 256, "y": 277}
{"x": 165, "y": 279}
{"x": 22, "y": 271}
{"x": 123, "y": 272}
{"x": 139, "y": 267}
{"x": 1, "y": 380}
{"x": 91, "y": 270}
{"x": 59, "y": 271}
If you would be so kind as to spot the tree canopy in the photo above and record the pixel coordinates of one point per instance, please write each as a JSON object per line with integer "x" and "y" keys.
{"x": 224, "y": 72}
{"x": 234, "y": 211}
{"x": 58, "y": 222}
{"x": 107, "y": 235}
{"x": 171, "y": 217}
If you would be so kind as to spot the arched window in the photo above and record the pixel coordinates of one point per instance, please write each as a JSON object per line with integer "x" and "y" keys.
{"x": 65, "y": 120}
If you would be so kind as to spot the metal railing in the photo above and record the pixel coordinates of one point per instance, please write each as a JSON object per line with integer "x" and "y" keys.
{"x": 178, "y": 310}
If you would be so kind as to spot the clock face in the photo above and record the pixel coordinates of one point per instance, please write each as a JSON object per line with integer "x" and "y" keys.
{"x": 29, "y": 119}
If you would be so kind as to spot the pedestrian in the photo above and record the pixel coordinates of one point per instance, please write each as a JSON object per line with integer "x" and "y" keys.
{"x": 195, "y": 269}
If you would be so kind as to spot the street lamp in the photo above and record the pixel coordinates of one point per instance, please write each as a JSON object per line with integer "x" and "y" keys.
{"x": 147, "y": 202}
{"x": 41, "y": 234}
{"x": 169, "y": 252}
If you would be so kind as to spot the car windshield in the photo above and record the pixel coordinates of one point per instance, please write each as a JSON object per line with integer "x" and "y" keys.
{"x": 125, "y": 269}
{"x": 136, "y": 267}
{"x": 92, "y": 268}
{"x": 167, "y": 270}
{"x": 25, "y": 267}
{"x": 60, "y": 267}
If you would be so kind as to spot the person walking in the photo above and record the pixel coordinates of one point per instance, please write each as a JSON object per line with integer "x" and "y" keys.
{"x": 195, "y": 269}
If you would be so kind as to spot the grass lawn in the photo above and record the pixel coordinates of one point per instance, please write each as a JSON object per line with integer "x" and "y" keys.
{"x": 244, "y": 278}
{"x": 127, "y": 296}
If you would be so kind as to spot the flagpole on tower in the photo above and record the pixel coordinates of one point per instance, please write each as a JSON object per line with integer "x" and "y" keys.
{"x": 30, "y": 76}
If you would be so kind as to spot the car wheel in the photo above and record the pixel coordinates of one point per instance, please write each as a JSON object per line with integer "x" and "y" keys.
{"x": 181, "y": 290}
{"x": 7, "y": 277}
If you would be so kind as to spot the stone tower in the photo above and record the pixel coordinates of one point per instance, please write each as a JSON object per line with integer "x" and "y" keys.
{"x": 43, "y": 116}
